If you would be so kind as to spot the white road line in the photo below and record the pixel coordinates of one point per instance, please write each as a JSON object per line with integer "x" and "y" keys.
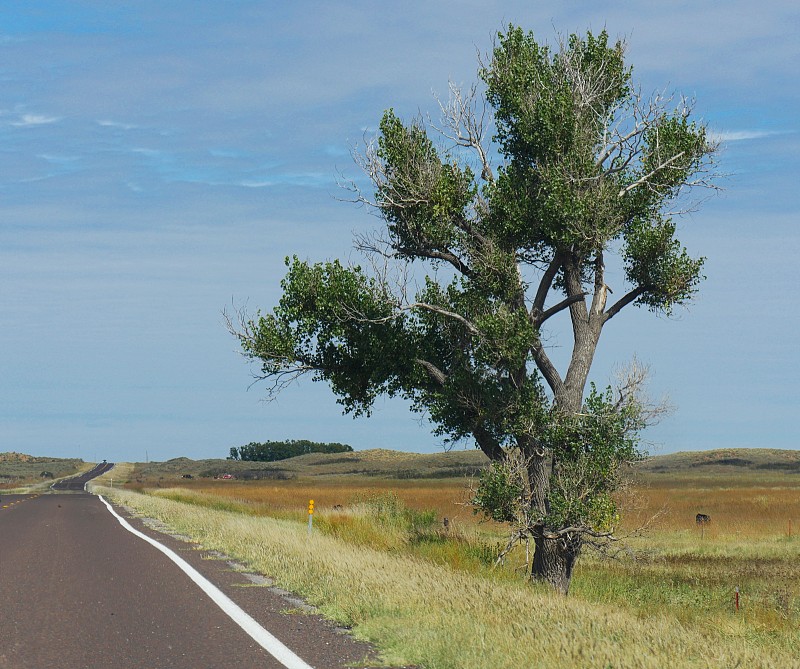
{"x": 263, "y": 638}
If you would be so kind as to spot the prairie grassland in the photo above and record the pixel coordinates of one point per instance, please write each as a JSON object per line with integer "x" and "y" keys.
{"x": 667, "y": 599}
{"x": 448, "y": 497}
{"x": 437, "y": 616}
{"x": 752, "y": 544}
{"x": 745, "y": 507}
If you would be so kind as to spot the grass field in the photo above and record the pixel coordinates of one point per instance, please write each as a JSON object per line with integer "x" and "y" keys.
{"x": 380, "y": 559}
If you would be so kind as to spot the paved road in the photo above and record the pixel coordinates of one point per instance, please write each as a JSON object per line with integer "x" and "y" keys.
{"x": 79, "y": 591}
{"x": 76, "y": 483}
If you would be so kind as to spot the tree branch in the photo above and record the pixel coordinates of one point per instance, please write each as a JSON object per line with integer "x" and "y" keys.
{"x": 545, "y": 284}
{"x": 433, "y": 371}
{"x": 624, "y": 301}
{"x": 487, "y": 443}
{"x": 450, "y": 314}
{"x": 646, "y": 177}
{"x": 552, "y": 311}
{"x": 547, "y": 368}
{"x": 600, "y": 288}
{"x": 435, "y": 254}
{"x": 466, "y": 127}
{"x": 574, "y": 529}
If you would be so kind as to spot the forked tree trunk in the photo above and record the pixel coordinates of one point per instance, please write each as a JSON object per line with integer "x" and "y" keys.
{"x": 553, "y": 561}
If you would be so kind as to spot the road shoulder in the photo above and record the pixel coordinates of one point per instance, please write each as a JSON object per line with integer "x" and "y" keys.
{"x": 297, "y": 624}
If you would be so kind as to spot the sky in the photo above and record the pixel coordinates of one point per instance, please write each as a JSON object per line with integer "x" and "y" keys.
{"x": 158, "y": 161}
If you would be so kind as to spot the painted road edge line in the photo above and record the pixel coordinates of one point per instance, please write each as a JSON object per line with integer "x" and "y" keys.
{"x": 261, "y": 636}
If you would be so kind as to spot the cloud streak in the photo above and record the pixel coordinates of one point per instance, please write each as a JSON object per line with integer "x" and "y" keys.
{"x": 744, "y": 135}
{"x": 35, "y": 119}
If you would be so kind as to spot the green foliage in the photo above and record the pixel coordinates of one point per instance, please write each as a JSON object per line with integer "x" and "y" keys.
{"x": 499, "y": 494}
{"x": 589, "y": 170}
{"x": 588, "y": 453}
{"x": 534, "y": 92}
{"x": 655, "y": 259}
{"x": 336, "y": 323}
{"x": 590, "y": 450}
{"x": 271, "y": 451}
{"x": 421, "y": 194}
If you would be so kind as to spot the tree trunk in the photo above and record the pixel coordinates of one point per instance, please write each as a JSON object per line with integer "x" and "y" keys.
{"x": 554, "y": 559}
{"x": 538, "y": 464}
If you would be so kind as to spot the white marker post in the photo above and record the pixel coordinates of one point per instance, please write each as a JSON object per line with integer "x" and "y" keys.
{"x": 310, "y": 515}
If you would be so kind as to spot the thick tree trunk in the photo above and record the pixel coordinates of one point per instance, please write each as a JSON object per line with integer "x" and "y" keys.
{"x": 554, "y": 559}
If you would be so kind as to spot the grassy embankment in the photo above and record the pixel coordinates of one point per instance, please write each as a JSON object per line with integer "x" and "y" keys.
{"x": 426, "y": 595}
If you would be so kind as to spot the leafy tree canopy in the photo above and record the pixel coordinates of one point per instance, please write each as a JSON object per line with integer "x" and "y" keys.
{"x": 583, "y": 170}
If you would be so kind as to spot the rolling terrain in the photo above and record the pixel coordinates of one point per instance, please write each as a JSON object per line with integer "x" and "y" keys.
{"x": 382, "y": 463}
{"x": 20, "y": 469}
{"x": 383, "y": 561}
{"x": 743, "y": 464}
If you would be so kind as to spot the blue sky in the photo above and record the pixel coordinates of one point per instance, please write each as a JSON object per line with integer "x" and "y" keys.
{"x": 159, "y": 160}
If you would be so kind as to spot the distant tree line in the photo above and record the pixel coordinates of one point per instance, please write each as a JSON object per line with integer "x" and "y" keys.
{"x": 270, "y": 451}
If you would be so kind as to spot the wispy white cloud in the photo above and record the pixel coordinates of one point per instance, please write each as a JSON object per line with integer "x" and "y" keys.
{"x": 256, "y": 184}
{"x": 116, "y": 124}
{"x": 148, "y": 152}
{"x": 743, "y": 135}
{"x": 305, "y": 179}
{"x": 35, "y": 119}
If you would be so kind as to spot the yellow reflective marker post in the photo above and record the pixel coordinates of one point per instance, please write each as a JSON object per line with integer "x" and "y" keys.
{"x": 310, "y": 515}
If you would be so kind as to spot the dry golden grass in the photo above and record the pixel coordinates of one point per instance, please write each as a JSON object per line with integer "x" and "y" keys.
{"x": 740, "y": 507}
{"x": 447, "y": 497}
{"x": 666, "y": 602}
{"x": 437, "y": 617}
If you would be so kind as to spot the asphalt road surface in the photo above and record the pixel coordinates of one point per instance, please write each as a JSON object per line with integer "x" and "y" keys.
{"x": 79, "y": 591}
{"x": 77, "y": 483}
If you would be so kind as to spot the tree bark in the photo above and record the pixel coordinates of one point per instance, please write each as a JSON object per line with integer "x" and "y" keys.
{"x": 554, "y": 559}
{"x": 538, "y": 465}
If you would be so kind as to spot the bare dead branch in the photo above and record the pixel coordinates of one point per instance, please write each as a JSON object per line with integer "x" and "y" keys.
{"x": 465, "y": 125}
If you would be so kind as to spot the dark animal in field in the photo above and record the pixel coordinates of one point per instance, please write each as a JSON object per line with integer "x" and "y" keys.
{"x": 188, "y": 476}
{"x": 47, "y": 475}
{"x": 702, "y": 519}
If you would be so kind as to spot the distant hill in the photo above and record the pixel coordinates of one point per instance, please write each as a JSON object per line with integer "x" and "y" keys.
{"x": 727, "y": 461}
{"x": 385, "y": 463}
{"x": 398, "y": 464}
{"x": 19, "y": 467}
{"x": 18, "y": 457}
{"x": 375, "y": 462}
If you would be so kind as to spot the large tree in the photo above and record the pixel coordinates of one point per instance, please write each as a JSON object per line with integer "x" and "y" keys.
{"x": 583, "y": 170}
